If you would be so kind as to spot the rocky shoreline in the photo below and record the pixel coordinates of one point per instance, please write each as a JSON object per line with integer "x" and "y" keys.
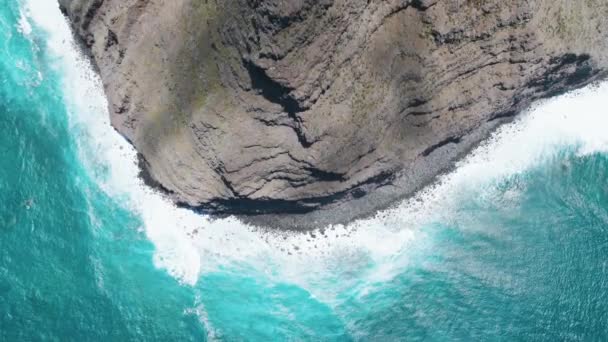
{"x": 297, "y": 114}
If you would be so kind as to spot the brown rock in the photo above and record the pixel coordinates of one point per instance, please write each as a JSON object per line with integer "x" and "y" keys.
{"x": 299, "y": 113}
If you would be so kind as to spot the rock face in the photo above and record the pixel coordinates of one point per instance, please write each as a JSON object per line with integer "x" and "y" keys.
{"x": 300, "y": 113}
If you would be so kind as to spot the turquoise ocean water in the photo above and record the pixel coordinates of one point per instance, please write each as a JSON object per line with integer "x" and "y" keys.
{"x": 511, "y": 246}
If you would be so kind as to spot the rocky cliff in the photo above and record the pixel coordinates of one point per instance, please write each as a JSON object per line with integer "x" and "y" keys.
{"x": 307, "y": 112}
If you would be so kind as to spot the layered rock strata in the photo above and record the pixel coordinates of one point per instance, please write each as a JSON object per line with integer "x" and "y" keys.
{"x": 300, "y": 113}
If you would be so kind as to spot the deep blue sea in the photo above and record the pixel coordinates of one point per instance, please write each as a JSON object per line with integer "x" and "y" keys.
{"x": 512, "y": 245}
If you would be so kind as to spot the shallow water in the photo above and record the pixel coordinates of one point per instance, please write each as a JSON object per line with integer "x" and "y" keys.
{"x": 510, "y": 246}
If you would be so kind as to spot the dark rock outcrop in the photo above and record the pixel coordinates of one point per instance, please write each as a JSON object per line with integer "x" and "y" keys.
{"x": 307, "y": 112}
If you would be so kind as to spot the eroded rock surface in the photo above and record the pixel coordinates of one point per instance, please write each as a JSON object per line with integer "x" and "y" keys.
{"x": 308, "y": 112}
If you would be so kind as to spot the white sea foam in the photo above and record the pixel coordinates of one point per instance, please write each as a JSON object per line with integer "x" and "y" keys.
{"x": 111, "y": 160}
{"x": 213, "y": 334}
{"x": 188, "y": 244}
{"x": 24, "y": 24}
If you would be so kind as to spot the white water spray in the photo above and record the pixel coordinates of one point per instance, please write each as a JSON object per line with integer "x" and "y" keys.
{"x": 188, "y": 244}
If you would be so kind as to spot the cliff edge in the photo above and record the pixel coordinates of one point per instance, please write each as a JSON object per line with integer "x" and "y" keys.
{"x": 300, "y": 113}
